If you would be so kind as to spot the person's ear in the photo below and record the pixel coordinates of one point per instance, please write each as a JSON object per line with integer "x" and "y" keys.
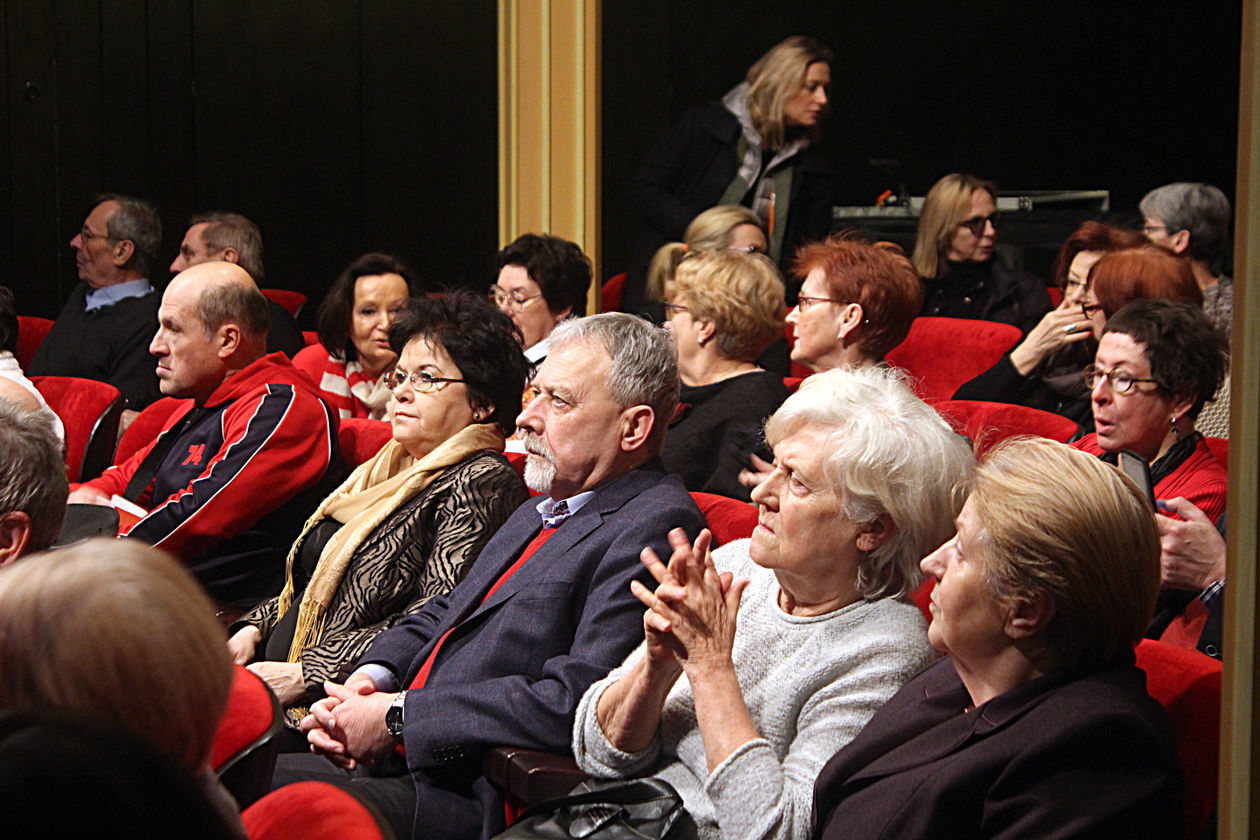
{"x": 1180, "y": 241}
{"x": 1030, "y": 615}
{"x": 15, "y": 534}
{"x": 557, "y": 317}
{"x": 123, "y": 251}
{"x": 1180, "y": 406}
{"x": 875, "y": 533}
{"x": 637, "y": 423}
{"x": 230, "y": 255}
{"x": 850, "y": 320}
{"x": 705, "y": 330}
{"x": 228, "y": 339}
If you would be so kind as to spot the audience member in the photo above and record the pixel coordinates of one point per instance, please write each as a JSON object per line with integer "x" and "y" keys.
{"x": 542, "y": 280}
{"x": 744, "y": 687}
{"x": 722, "y": 228}
{"x": 33, "y": 484}
{"x": 1190, "y": 611}
{"x": 104, "y": 329}
{"x": 1038, "y": 723}
{"x": 230, "y": 237}
{"x": 954, "y": 254}
{"x": 857, "y": 302}
{"x": 724, "y": 309}
{"x": 1193, "y": 220}
{"x": 1157, "y": 363}
{"x": 1043, "y": 371}
{"x": 14, "y": 386}
{"x": 117, "y": 630}
{"x": 243, "y": 462}
{"x": 546, "y": 610}
{"x": 354, "y": 321}
{"x": 409, "y": 523}
{"x": 757, "y": 147}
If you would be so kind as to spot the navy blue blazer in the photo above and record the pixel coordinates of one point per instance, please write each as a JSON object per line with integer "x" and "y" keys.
{"x": 514, "y": 668}
{"x": 1062, "y": 756}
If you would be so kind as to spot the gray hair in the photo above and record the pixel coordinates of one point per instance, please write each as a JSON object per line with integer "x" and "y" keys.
{"x": 644, "y": 363}
{"x": 888, "y": 453}
{"x": 1201, "y": 209}
{"x": 240, "y": 304}
{"x": 232, "y": 230}
{"x": 136, "y": 221}
{"x": 32, "y": 474}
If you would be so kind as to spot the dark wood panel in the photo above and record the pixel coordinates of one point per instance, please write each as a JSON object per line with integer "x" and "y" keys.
{"x": 430, "y": 137}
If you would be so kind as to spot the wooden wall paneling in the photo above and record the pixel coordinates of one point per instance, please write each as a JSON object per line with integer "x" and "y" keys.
{"x": 277, "y": 117}
{"x": 30, "y": 229}
{"x": 430, "y": 137}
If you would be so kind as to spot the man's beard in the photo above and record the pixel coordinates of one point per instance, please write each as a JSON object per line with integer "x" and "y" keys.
{"x": 539, "y": 471}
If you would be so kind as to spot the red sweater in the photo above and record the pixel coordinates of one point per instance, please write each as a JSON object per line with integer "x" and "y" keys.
{"x": 1200, "y": 479}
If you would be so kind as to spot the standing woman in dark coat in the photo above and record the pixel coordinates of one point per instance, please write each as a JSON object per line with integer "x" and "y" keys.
{"x": 755, "y": 148}
{"x": 954, "y": 254}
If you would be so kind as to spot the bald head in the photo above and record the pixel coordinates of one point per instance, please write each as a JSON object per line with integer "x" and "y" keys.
{"x": 212, "y": 322}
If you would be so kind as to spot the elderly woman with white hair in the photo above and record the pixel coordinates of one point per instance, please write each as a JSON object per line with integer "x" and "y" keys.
{"x": 763, "y": 657}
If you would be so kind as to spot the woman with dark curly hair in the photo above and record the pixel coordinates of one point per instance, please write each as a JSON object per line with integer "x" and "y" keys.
{"x": 408, "y": 523}
{"x": 354, "y": 320}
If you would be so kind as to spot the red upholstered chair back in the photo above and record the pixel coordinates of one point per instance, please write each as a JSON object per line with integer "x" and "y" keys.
{"x": 1188, "y": 685}
{"x": 517, "y": 460}
{"x": 729, "y": 519}
{"x": 310, "y": 337}
{"x": 31, "y": 332}
{"x": 1056, "y": 294}
{"x": 943, "y": 353}
{"x": 361, "y": 438}
{"x": 923, "y": 595}
{"x": 291, "y": 301}
{"x": 90, "y": 411}
{"x": 145, "y": 428}
{"x": 610, "y": 293}
{"x": 986, "y": 423}
{"x": 244, "y": 750}
{"x": 313, "y": 811}
{"x": 311, "y": 360}
{"x": 793, "y": 382}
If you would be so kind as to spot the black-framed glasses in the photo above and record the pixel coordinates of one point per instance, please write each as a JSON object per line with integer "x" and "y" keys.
{"x": 671, "y": 308}
{"x": 422, "y": 382}
{"x": 804, "y": 302}
{"x": 512, "y": 300}
{"x": 1120, "y": 381}
{"x": 976, "y": 224}
{"x": 87, "y": 234}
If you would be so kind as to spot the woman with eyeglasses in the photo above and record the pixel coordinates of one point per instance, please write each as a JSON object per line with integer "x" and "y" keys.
{"x": 723, "y": 309}
{"x": 354, "y": 320}
{"x": 1157, "y": 363}
{"x": 954, "y": 254}
{"x": 409, "y": 522}
{"x": 727, "y": 227}
{"x": 1043, "y": 370}
{"x": 542, "y": 280}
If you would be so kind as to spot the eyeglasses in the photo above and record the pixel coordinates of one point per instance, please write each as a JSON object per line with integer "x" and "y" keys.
{"x": 422, "y": 382}
{"x": 804, "y": 302}
{"x": 748, "y": 249}
{"x": 1069, "y": 284}
{"x": 87, "y": 234}
{"x": 1120, "y": 382}
{"x": 1149, "y": 229}
{"x": 512, "y": 300}
{"x": 977, "y": 224}
{"x": 671, "y": 308}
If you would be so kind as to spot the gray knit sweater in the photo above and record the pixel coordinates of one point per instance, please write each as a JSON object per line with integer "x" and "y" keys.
{"x": 810, "y": 684}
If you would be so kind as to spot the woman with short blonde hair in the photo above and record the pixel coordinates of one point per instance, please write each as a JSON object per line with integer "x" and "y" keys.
{"x": 727, "y": 226}
{"x": 723, "y": 308}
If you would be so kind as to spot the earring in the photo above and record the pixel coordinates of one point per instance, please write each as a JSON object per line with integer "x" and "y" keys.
{"x": 1176, "y": 432}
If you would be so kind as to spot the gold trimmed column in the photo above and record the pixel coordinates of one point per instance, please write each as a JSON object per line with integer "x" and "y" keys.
{"x": 549, "y": 126}
{"x": 1240, "y": 736}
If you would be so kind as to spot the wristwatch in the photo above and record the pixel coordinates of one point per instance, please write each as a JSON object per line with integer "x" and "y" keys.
{"x": 394, "y": 715}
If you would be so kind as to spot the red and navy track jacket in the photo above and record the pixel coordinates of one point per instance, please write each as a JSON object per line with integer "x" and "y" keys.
{"x": 240, "y": 479}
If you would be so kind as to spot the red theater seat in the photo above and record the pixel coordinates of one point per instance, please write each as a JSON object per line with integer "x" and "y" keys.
{"x": 943, "y": 353}
{"x": 313, "y": 811}
{"x": 244, "y": 750}
{"x": 31, "y": 333}
{"x": 610, "y": 293}
{"x": 361, "y": 438}
{"x": 291, "y": 301}
{"x": 986, "y": 423}
{"x": 90, "y": 412}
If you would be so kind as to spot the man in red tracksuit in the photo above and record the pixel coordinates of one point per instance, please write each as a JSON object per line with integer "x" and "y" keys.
{"x": 237, "y": 469}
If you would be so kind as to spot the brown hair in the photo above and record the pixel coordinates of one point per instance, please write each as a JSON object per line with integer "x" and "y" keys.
{"x": 947, "y": 205}
{"x": 1059, "y": 521}
{"x": 877, "y": 277}
{"x": 742, "y": 294}
{"x": 1091, "y": 236}
{"x": 119, "y": 630}
{"x": 1144, "y": 271}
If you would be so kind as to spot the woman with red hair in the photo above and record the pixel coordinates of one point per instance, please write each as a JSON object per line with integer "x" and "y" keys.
{"x": 1043, "y": 370}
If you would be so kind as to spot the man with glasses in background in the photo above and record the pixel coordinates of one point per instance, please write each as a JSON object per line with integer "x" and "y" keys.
{"x": 103, "y": 331}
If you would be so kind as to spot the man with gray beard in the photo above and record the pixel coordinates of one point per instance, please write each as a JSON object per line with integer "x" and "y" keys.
{"x": 546, "y": 610}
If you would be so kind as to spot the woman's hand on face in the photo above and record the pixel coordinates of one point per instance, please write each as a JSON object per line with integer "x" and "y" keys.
{"x": 243, "y": 644}
{"x": 698, "y": 605}
{"x": 1064, "y": 325}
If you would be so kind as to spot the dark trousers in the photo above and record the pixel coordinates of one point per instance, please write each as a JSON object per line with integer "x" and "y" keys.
{"x": 393, "y": 797}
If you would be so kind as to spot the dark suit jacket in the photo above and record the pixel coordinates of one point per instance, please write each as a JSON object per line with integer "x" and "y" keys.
{"x": 1062, "y": 756}
{"x": 515, "y": 667}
